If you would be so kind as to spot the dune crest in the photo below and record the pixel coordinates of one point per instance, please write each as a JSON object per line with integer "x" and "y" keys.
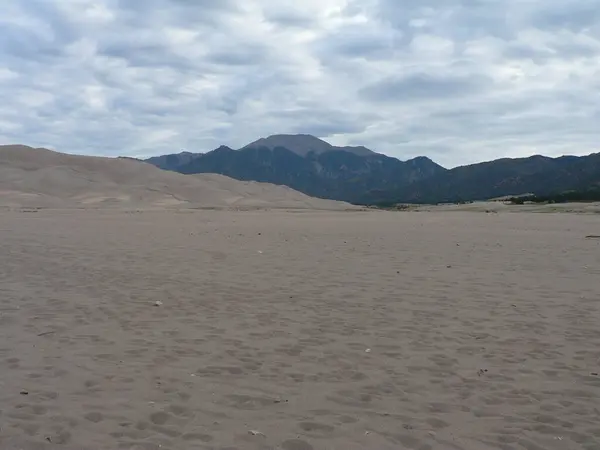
{"x": 37, "y": 177}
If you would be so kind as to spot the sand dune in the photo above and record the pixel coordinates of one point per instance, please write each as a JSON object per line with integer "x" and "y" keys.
{"x": 44, "y": 178}
{"x": 176, "y": 329}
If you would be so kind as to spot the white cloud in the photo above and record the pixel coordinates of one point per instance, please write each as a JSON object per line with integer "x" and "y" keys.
{"x": 7, "y": 74}
{"x": 456, "y": 80}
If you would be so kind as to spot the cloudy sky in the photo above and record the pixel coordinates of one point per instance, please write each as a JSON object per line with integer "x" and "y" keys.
{"x": 457, "y": 80}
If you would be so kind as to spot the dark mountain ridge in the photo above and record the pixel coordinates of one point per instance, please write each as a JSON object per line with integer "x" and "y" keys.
{"x": 537, "y": 174}
{"x": 335, "y": 174}
{"x": 303, "y": 144}
{"x": 172, "y": 161}
{"x": 359, "y": 175}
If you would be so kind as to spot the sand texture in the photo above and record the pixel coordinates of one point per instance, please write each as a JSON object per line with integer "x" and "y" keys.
{"x": 504, "y": 207}
{"x": 41, "y": 178}
{"x": 299, "y": 331}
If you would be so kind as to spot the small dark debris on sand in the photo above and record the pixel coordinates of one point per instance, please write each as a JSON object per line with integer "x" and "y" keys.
{"x": 46, "y": 333}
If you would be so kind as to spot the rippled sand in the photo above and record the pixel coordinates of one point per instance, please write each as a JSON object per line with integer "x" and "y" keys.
{"x": 299, "y": 331}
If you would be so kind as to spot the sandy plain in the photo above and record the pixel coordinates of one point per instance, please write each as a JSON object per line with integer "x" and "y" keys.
{"x": 299, "y": 330}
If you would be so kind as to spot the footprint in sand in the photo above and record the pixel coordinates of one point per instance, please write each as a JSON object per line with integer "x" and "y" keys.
{"x": 159, "y": 418}
{"x": 296, "y": 444}
{"x": 316, "y": 428}
{"x": 94, "y": 417}
{"x": 197, "y": 437}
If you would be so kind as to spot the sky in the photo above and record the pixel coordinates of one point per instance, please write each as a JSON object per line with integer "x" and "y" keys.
{"x": 459, "y": 81}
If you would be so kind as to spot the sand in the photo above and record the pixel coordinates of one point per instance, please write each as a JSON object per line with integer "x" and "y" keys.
{"x": 41, "y": 178}
{"x": 505, "y": 207}
{"x": 299, "y": 330}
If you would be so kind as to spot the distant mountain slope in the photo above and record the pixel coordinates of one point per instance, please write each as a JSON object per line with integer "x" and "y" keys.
{"x": 312, "y": 166}
{"x": 503, "y": 177}
{"x": 170, "y": 162}
{"x": 337, "y": 175}
{"x": 361, "y": 176}
{"x": 44, "y": 178}
{"x": 303, "y": 144}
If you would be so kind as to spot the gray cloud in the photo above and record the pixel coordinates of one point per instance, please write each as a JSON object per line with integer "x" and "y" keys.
{"x": 457, "y": 80}
{"x": 365, "y": 41}
{"x": 424, "y": 86}
{"x": 288, "y": 17}
{"x": 239, "y": 55}
{"x": 578, "y": 16}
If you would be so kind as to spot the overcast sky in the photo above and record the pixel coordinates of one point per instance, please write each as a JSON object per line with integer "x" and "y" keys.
{"x": 456, "y": 80}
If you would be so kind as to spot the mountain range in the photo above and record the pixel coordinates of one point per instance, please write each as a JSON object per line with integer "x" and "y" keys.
{"x": 361, "y": 176}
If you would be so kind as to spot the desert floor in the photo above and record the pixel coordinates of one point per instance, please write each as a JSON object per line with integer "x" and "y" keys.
{"x": 299, "y": 330}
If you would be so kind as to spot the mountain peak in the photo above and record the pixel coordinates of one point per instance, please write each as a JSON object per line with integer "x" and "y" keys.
{"x": 303, "y": 144}
{"x": 424, "y": 163}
